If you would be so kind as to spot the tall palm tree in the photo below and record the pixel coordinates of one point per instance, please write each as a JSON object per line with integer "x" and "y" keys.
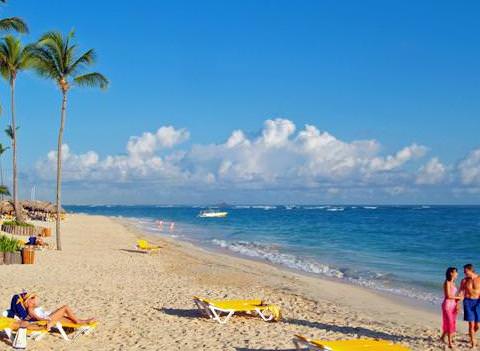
{"x": 56, "y": 58}
{"x": 13, "y": 23}
{"x": 2, "y": 151}
{"x": 14, "y": 58}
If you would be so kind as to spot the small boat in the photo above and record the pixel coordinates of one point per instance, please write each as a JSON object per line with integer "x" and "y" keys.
{"x": 212, "y": 214}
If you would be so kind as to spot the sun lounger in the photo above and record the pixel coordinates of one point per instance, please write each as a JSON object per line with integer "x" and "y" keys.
{"x": 10, "y": 325}
{"x": 303, "y": 343}
{"x": 145, "y": 246}
{"x": 214, "y": 309}
{"x": 79, "y": 329}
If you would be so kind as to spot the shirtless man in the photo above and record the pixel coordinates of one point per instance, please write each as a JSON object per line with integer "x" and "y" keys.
{"x": 470, "y": 289}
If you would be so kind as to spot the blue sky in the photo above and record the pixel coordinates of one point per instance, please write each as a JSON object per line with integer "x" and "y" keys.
{"x": 401, "y": 73}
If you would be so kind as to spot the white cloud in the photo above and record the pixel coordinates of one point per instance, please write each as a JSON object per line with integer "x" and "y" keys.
{"x": 469, "y": 169}
{"x": 279, "y": 158}
{"x": 433, "y": 172}
{"x": 149, "y": 143}
{"x": 390, "y": 162}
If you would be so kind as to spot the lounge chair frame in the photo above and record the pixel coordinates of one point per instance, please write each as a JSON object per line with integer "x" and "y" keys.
{"x": 222, "y": 315}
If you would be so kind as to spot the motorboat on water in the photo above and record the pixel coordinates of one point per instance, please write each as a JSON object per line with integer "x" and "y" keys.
{"x": 212, "y": 214}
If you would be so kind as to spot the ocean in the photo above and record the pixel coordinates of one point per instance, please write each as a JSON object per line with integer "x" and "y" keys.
{"x": 402, "y": 250}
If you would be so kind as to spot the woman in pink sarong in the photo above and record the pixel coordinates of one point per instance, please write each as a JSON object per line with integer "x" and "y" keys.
{"x": 449, "y": 306}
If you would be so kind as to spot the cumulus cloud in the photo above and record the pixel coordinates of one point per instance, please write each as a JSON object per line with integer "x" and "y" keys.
{"x": 433, "y": 172}
{"x": 149, "y": 143}
{"x": 469, "y": 169}
{"x": 279, "y": 157}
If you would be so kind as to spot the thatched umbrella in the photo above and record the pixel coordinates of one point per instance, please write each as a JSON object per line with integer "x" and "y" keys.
{"x": 6, "y": 207}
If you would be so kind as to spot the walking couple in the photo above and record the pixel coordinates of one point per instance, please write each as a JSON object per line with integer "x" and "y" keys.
{"x": 469, "y": 292}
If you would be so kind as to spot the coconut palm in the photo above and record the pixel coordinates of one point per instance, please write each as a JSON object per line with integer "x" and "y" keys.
{"x": 14, "y": 58}
{"x": 57, "y": 58}
{"x": 2, "y": 151}
{"x": 13, "y": 23}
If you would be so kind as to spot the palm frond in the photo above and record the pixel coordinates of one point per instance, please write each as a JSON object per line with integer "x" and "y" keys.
{"x": 15, "y": 24}
{"x": 9, "y": 131}
{"x": 86, "y": 59}
{"x": 45, "y": 64}
{"x": 4, "y": 190}
{"x": 56, "y": 57}
{"x": 3, "y": 148}
{"x": 14, "y": 57}
{"x": 92, "y": 80}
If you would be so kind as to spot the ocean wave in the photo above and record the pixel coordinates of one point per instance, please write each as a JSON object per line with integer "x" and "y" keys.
{"x": 370, "y": 207}
{"x": 271, "y": 254}
{"x": 385, "y": 282}
{"x": 335, "y": 209}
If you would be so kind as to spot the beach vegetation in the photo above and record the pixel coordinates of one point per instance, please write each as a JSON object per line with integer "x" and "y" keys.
{"x": 17, "y": 223}
{"x": 14, "y": 58}
{"x": 9, "y": 244}
{"x": 3, "y": 189}
{"x": 56, "y": 57}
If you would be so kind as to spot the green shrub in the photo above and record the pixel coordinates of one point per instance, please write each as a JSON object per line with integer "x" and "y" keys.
{"x": 19, "y": 224}
{"x": 9, "y": 244}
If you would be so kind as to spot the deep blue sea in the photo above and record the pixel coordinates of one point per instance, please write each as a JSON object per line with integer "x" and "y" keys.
{"x": 402, "y": 250}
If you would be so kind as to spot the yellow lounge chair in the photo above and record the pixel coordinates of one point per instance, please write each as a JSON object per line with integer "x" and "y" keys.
{"x": 347, "y": 345}
{"x": 10, "y": 325}
{"x": 214, "y": 309}
{"x": 145, "y": 246}
{"x": 80, "y": 329}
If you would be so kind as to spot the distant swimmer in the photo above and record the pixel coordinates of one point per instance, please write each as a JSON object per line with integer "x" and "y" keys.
{"x": 172, "y": 226}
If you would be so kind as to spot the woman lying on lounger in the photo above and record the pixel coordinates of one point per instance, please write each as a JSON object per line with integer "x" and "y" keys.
{"x": 35, "y": 314}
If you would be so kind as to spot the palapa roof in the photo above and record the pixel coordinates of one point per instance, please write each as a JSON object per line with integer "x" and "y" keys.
{"x": 40, "y": 206}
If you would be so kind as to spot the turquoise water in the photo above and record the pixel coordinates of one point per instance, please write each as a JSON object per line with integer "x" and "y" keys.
{"x": 399, "y": 249}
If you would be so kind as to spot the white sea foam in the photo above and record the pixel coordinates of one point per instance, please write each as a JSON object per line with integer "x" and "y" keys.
{"x": 272, "y": 254}
{"x": 370, "y": 207}
{"x": 335, "y": 209}
{"x": 315, "y": 207}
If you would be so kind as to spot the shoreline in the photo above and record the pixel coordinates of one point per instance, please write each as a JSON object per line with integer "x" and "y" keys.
{"x": 404, "y": 301}
{"x": 408, "y": 301}
{"x": 145, "y": 301}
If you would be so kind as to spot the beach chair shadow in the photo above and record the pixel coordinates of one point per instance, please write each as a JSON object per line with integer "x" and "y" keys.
{"x": 134, "y": 251}
{"x": 179, "y": 312}
{"x": 360, "y": 331}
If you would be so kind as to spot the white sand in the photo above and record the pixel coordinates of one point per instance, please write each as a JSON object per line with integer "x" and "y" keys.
{"x": 143, "y": 302}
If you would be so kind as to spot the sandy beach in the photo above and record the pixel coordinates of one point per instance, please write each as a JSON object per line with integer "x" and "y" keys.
{"x": 144, "y": 302}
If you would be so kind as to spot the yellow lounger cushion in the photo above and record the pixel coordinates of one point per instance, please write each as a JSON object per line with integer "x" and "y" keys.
{"x": 246, "y": 306}
{"x": 356, "y": 345}
{"x": 10, "y": 323}
{"x": 145, "y": 245}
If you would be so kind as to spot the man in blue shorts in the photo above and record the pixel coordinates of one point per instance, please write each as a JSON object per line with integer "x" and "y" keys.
{"x": 470, "y": 289}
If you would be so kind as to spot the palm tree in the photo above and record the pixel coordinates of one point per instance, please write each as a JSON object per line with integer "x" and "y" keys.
{"x": 2, "y": 151}
{"x": 13, "y": 23}
{"x": 56, "y": 58}
{"x": 14, "y": 58}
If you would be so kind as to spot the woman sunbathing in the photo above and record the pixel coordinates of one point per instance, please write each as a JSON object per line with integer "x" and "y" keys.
{"x": 62, "y": 314}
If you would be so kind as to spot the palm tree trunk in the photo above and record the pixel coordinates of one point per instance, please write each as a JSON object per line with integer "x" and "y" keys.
{"x": 16, "y": 205}
{"x": 1, "y": 176}
{"x": 59, "y": 168}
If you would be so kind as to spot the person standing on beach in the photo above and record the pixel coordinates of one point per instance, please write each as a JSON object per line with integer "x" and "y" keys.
{"x": 470, "y": 290}
{"x": 449, "y": 306}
